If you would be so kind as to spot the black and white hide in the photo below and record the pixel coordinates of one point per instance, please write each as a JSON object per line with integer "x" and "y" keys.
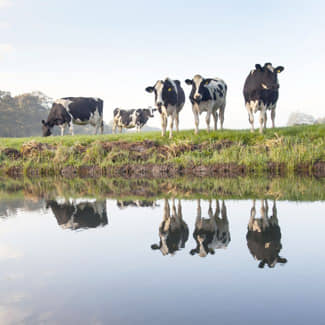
{"x": 211, "y": 233}
{"x": 170, "y": 99}
{"x": 208, "y": 95}
{"x": 264, "y": 236}
{"x": 261, "y": 93}
{"x": 66, "y": 112}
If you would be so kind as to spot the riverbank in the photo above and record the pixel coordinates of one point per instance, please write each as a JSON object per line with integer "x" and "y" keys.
{"x": 283, "y": 151}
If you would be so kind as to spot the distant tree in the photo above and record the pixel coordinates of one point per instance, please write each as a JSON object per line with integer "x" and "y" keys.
{"x": 298, "y": 118}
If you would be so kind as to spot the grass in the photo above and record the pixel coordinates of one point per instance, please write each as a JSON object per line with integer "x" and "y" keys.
{"x": 290, "y": 146}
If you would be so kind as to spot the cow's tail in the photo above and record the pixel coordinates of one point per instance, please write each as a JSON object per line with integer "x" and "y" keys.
{"x": 100, "y": 107}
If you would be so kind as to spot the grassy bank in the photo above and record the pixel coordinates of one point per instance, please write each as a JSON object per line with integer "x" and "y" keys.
{"x": 282, "y": 150}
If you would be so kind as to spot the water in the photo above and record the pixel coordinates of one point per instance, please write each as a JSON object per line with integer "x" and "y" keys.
{"x": 105, "y": 261}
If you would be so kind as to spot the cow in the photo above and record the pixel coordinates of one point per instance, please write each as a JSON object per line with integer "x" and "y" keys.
{"x": 173, "y": 231}
{"x": 170, "y": 99}
{"x": 132, "y": 118}
{"x": 264, "y": 236}
{"x": 212, "y": 233}
{"x": 136, "y": 203}
{"x": 66, "y": 112}
{"x": 79, "y": 215}
{"x": 208, "y": 95}
{"x": 261, "y": 93}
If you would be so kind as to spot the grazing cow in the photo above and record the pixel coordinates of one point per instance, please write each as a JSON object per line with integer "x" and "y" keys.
{"x": 212, "y": 233}
{"x": 170, "y": 99}
{"x": 74, "y": 110}
{"x": 264, "y": 236}
{"x": 132, "y": 118}
{"x": 72, "y": 215}
{"x": 208, "y": 95}
{"x": 261, "y": 92}
{"x": 173, "y": 231}
{"x": 136, "y": 203}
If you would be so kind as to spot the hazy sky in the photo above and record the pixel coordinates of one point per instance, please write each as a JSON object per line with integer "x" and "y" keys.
{"x": 114, "y": 49}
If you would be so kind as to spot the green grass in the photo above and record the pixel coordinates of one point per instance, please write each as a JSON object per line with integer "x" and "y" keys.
{"x": 291, "y": 146}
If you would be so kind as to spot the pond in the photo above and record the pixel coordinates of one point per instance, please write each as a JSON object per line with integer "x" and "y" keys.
{"x": 67, "y": 257}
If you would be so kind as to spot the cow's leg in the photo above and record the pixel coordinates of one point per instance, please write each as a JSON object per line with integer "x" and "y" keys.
{"x": 163, "y": 121}
{"x": 195, "y": 109}
{"x": 62, "y": 126}
{"x": 265, "y": 119}
{"x": 102, "y": 127}
{"x": 273, "y": 117}
{"x": 215, "y": 119}
{"x": 114, "y": 127}
{"x": 252, "y": 216}
{"x": 207, "y": 119}
{"x": 179, "y": 210}
{"x": 223, "y": 211}
{"x": 171, "y": 125}
{"x": 262, "y": 117}
{"x": 222, "y": 116}
{"x": 71, "y": 129}
{"x": 198, "y": 212}
{"x": 250, "y": 116}
{"x": 177, "y": 121}
{"x": 120, "y": 128}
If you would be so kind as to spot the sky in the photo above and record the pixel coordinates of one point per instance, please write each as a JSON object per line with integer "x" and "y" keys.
{"x": 115, "y": 49}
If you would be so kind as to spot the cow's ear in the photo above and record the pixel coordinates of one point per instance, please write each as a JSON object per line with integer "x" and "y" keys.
{"x": 189, "y": 81}
{"x": 43, "y": 122}
{"x": 193, "y": 251}
{"x": 258, "y": 67}
{"x": 149, "y": 89}
{"x": 279, "y": 69}
{"x": 154, "y": 246}
{"x": 177, "y": 82}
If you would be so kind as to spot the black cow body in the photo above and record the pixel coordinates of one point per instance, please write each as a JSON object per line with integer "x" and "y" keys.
{"x": 264, "y": 236}
{"x": 133, "y": 118}
{"x": 208, "y": 95}
{"x": 212, "y": 233}
{"x": 170, "y": 99}
{"x": 173, "y": 231}
{"x": 74, "y": 110}
{"x": 261, "y": 93}
{"x": 74, "y": 216}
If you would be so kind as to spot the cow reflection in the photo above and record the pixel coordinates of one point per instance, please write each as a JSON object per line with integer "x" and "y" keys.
{"x": 173, "y": 231}
{"x": 264, "y": 236}
{"x": 136, "y": 203}
{"x": 213, "y": 232}
{"x": 82, "y": 215}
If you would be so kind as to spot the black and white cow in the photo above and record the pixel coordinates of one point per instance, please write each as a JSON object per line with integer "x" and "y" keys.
{"x": 173, "y": 231}
{"x": 170, "y": 99}
{"x": 208, "y": 95}
{"x": 74, "y": 110}
{"x": 77, "y": 215}
{"x": 261, "y": 92}
{"x": 136, "y": 203}
{"x": 132, "y": 118}
{"x": 212, "y": 233}
{"x": 264, "y": 236}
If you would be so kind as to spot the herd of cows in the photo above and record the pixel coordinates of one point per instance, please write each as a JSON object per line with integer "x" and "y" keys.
{"x": 210, "y": 233}
{"x": 261, "y": 92}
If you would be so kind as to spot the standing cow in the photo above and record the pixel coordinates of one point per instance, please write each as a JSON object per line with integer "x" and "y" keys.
{"x": 208, "y": 95}
{"x": 261, "y": 92}
{"x": 212, "y": 233}
{"x": 264, "y": 236}
{"x": 170, "y": 99}
{"x": 74, "y": 110}
{"x": 132, "y": 118}
{"x": 173, "y": 231}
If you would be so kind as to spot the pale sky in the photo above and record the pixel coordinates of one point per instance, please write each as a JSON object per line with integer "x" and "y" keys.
{"x": 114, "y": 49}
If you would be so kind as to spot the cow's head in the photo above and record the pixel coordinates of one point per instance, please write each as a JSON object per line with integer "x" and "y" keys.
{"x": 198, "y": 84}
{"x": 46, "y": 129}
{"x": 149, "y": 111}
{"x": 164, "y": 89}
{"x": 268, "y": 76}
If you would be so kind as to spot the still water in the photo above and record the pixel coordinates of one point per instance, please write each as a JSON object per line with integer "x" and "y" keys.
{"x": 164, "y": 261}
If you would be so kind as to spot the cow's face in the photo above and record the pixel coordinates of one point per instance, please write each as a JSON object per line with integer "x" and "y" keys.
{"x": 163, "y": 89}
{"x": 149, "y": 111}
{"x": 268, "y": 76}
{"x": 198, "y": 83}
{"x": 46, "y": 129}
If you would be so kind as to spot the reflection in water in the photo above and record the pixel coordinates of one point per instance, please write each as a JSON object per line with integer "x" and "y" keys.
{"x": 264, "y": 236}
{"x": 73, "y": 215}
{"x": 211, "y": 233}
{"x": 173, "y": 231}
{"x": 136, "y": 203}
